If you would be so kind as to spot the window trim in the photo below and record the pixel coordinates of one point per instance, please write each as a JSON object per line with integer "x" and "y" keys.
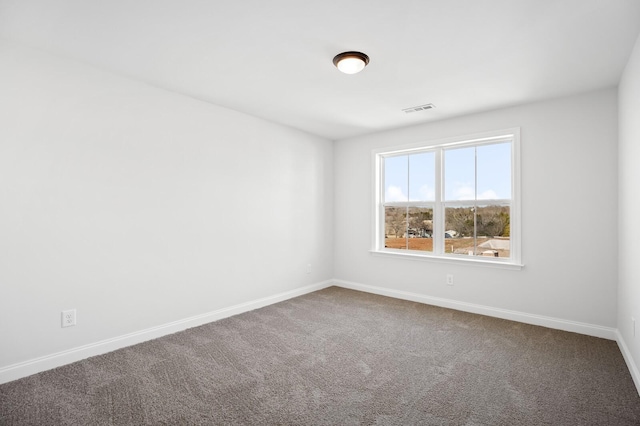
{"x": 438, "y": 146}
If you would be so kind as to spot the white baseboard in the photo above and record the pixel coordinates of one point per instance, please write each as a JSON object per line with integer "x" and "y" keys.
{"x": 633, "y": 368}
{"x": 550, "y": 322}
{"x": 47, "y": 362}
{"x": 33, "y": 366}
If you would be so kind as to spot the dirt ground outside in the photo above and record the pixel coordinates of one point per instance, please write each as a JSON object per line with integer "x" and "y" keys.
{"x": 451, "y": 245}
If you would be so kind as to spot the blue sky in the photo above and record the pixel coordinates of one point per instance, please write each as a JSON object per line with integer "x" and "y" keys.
{"x": 494, "y": 174}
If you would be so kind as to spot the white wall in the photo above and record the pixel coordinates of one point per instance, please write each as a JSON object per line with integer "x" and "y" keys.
{"x": 569, "y": 205}
{"x": 139, "y": 207}
{"x": 629, "y": 209}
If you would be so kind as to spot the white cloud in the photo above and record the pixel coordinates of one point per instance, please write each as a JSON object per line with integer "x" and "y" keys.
{"x": 489, "y": 194}
{"x": 467, "y": 192}
{"x": 463, "y": 192}
{"x": 427, "y": 193}
{"x": 394, "y": 193}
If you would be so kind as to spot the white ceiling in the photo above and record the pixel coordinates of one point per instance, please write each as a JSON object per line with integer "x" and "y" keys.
{"x": 273, "y": 59}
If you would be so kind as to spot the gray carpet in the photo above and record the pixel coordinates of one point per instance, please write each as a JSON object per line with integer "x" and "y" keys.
{"x": 340, "y": 357}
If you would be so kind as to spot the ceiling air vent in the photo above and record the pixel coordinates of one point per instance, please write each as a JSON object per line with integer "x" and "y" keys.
{"x": 419, "y": 108}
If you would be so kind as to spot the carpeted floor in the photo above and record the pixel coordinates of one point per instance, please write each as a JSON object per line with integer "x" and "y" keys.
{"x": 340, "y": 357}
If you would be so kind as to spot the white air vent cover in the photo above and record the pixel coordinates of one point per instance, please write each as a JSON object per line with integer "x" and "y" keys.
{"x": 419, "y": 108}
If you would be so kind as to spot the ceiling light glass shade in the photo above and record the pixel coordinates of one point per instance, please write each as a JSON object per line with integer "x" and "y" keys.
{"x": 351, "y": 62}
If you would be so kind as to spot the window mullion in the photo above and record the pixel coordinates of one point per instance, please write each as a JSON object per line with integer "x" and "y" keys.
{"x": 438, "y": 213}
{"x": 475, "y": 201}
{"x": 406, "y": 212}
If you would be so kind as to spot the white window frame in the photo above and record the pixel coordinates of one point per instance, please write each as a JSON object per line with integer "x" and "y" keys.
{"x": 438, "y": 205}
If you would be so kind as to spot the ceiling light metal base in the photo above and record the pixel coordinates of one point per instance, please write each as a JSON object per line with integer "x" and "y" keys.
{"x": 351, "y": 62}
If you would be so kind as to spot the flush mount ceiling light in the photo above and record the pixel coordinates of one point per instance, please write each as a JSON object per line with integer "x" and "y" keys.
{"x": 351, "y": 62}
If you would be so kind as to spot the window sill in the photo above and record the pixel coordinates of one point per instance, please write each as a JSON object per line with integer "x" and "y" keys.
{"x": 470, "y": 261}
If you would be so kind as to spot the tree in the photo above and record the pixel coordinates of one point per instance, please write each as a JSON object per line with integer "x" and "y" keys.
{"x": 460, "y": 219}
{"x": 492, "y": 221}
{"x": 421, "y": 220}
{"x": 396, "y": 221}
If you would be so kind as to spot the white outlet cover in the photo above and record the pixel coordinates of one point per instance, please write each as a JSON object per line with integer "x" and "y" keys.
{"x": 69, "y": 318}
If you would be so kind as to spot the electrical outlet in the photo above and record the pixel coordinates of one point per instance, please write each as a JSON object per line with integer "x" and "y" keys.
{"x": 449, "y": 279}
{"x": 69, "y": 318}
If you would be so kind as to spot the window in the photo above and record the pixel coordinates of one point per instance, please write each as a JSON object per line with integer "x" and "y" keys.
{"x": 452, "y": 199}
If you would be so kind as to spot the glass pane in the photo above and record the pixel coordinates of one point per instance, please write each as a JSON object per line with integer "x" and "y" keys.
{"x": 420, "y": 228}
{"x": 459, "y": 174}
{"x": 395, "y": 227}
{"x": 494, "y": 171}
{"x": 492, "y": 231}
{"x": 422, "y": 177}
{"x": 395, "y": 178}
